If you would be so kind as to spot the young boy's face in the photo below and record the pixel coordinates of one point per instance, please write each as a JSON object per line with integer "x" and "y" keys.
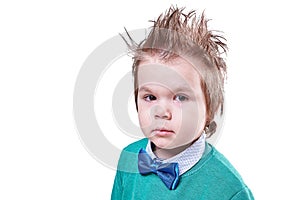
{"x": 171, "y": 103}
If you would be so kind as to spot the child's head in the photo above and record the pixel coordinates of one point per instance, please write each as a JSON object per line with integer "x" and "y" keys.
{"x": 178, "y": 78}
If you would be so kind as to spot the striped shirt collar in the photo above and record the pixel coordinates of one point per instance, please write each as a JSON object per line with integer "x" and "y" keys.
{"x": 187, "y": 158}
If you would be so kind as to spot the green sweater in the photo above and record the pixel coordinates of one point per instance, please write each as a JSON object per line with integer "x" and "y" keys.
{"x": 212, "y": 178}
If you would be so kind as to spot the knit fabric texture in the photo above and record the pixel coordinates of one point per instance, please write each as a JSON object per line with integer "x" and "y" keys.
{"x": 213, "y": 177}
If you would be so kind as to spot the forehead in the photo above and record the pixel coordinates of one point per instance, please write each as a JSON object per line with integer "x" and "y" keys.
{"x": 174, "y": 74}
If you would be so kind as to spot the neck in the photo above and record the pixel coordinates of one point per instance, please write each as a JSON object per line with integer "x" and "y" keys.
{"x": 169, "y": 153}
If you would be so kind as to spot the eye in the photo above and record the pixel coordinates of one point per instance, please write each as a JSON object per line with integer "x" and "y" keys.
{"x": 180, "y": 98}
{"x": 149, "y": 97}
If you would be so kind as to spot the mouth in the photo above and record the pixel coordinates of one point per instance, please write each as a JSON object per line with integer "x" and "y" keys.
{"x": 162, "y": 132}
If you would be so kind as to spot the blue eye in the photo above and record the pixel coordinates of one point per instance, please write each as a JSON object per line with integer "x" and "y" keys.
{"x": 180, "y": 98}
{"x": 149, "y": 97}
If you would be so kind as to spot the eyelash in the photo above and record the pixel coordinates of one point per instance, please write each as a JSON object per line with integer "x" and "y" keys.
{"x": 150, "y": 97}
{"x": 179, "y": 96}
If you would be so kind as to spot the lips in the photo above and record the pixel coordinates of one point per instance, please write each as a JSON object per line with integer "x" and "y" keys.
{"x": 162, "y": 132}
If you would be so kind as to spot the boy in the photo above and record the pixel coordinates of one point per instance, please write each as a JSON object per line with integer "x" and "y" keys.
{"x": 178, "y": 77}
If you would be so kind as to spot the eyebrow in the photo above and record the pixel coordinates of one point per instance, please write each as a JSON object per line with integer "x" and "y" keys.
{"x": 183, "y": 88}
{"x": 176, "y": 90}
{"x": 144, "y": 89}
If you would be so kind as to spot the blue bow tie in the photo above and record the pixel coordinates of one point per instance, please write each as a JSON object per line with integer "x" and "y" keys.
{"x": 167, "y": 172}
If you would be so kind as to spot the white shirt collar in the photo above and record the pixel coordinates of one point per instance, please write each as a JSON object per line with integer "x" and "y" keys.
{"x": 187, "y": 158}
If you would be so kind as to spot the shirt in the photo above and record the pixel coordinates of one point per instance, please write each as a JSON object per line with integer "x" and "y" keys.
{"x": 187, "y": 158}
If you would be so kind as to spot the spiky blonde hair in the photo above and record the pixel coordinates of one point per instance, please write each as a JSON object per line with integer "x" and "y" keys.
{"x": 178, "y": 34}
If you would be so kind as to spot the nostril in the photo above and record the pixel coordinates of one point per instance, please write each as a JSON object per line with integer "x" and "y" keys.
{"x": 167, "y": 115}
{"x": 163, "y": 115}
{"x": 162, "y": 112}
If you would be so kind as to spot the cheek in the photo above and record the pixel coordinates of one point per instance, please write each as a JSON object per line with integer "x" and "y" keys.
{"x": 144, "y": 116}
{"x": 193, "y": 117}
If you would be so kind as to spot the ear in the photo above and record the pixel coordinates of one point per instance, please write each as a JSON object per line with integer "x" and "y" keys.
{"x": 210, "y": 128}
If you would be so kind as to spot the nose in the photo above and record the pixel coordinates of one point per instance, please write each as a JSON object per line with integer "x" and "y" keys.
{"x": 162, "y": 111}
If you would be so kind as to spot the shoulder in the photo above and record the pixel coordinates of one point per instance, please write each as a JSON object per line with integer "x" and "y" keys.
{"x": 215, "y": 171}
{"x": 136, "y": 146}
{"x": 129, "y": 156}
{"x": 243, "y": 194}
{"x": 220, "y": 162}
{"x": 222, "y": 168}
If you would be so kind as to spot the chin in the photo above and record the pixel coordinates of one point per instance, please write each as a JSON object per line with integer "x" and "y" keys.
{"x": 162, "y": 143}
{"x": 165, "y": 144}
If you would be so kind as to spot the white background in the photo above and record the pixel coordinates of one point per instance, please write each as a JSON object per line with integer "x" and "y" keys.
{"x": 43, "y": 45}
